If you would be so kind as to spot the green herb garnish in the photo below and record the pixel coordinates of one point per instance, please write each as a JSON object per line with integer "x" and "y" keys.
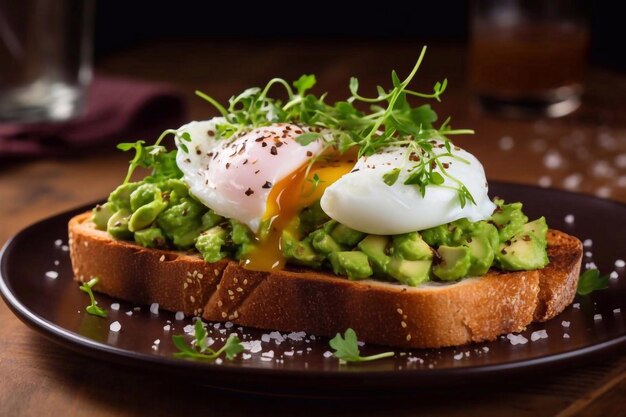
{"x": 93, "y": 308}
{"x": 347, "y": 349}
{"x": 199, "y": 348}
{"x": 590, "y": 281}
{"x": 390, "y": 122}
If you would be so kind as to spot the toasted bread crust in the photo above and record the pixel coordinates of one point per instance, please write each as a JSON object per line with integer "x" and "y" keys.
{"x": 434, "y": 315}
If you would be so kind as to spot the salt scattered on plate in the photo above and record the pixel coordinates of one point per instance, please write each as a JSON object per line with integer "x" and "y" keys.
{"x": 565, "y": 323}
{"x": 539, "y": 334}
{"x": 458, "y": 356}
{"x": 565, "y": 336}
{"x": 154, "y": 308}
{"x": 52, "y": 274}
{"x": 516, "y": 339}
{"x": 115, "y": 326}
{"x": 620, "y": 263}
{"x": 328, "y": 354}
{"x": 179, "y": 315}
{"x": 597, "y": 317}
{"x": 569, "y": 219}
{"x": 115, "y": 306}
{"x": 588, "y": 243}
{"x": 167, "y": 328}
{"x": 58, "y": 243}
{"x": 617, "y": 310}
{"x": 613, "y": 275}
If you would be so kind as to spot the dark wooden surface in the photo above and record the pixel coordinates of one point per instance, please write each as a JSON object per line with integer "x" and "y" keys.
{"x": 588, "y": 155}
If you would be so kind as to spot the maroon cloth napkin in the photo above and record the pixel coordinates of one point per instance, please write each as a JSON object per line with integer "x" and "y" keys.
{"x": 118, "y": 110}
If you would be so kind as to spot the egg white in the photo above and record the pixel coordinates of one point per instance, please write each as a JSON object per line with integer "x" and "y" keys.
{"x": 361, "y": 200}
{"x": 234, "y": 177}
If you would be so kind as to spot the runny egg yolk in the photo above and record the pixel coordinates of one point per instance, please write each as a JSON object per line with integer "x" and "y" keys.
{"x": 285, "y": 202}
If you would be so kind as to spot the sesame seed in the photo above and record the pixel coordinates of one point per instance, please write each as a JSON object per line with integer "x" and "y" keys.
{"x": 162, "y": 258}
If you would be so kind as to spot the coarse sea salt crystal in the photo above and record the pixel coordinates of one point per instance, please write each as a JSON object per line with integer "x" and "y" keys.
{"x": 115, "y": 306}
{"x": 573, "y": 181}
{"x": 179, "y": 315}
{"x": 296, "y": 336}
{"x": 246, "y": 356}
{"x": 613, "y": 275}
{"x": 228, "y": 324}
{"x": 576, "y": 305}
{"x": 552, "y": 159}
{"x": 516, "y": 339}
{"x": 569, "y": 219}
{"x": 565, "y": 336}
{"x": 458, "y": 356}
{"x": 56, "y": 263}
{"x": 154, "y": 308}
{"x": 545, "y": 181}
{"x": 506, "y": 143}
{"x": 617, "y": 310}
{"x": 129, "y": 313}
{"x": 189, "y": 329}
{"x": 539, "y": 334}
{"x": 264, "y": 359}
{"x": 269, "y": 354}
{"x": 115, "y": 326}
{"x": 597, "y": 317}
{"x": 288, "y": 353}
{"x": 620, "y": 263}
{"x": 265, "y": 338}
{"x": 588, "y": 254}
{"x": 254, "y": 346}
{"x": 52, "y": 274}
{"x": 58, "y": 243}
{"x": 328, "y": 354}
{"x": 588, "y": 243}
{"x": 219, "y": 361}
{"x": 565, "y": 323}
{"x": 278, "y": 338}
{"x": 167, "y": 327}
{"x": 65, "y": 248}
{"x": 486, "y": 349}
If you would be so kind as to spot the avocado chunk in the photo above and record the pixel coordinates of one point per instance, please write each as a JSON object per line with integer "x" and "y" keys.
{"x": 538, "y": 228}
{"x": 210, "y": 244}
{"x": 151, "y": 237}
{"x": 437, "y": 236}
{"x": 354, "y": 264}
{"x": 412, "y": 273}
{"x": 375, "y": 247}
{"x": 346, "y": 236}
{"x": 481, "y": 255}
{"x": 144, "y": 194}
{"x": 241, "y": 237}
{"x": 299, "y": 252}
{"x": 120, "y": 197}
{"x": 522, "y": 253}
{"x": 508, "y": 218}
{"x": 454, "y": 264}
{"x": 101, "y": 214}
{"x": 324, "y": 243}
{"x": 117, "y": 226}
{"x": 312, "y": 218}
{"x": 412, "y": 247}
{"x": 210, "y": 219}
{"x": 182, "y": 222}
{"x": 145, "y": 215}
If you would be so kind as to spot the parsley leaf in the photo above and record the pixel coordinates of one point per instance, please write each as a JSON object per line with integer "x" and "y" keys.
{"x": 93, "y": 308}
{"x": 590, "y": 281}
{"x": 200, "y": 349}
{"x": 391, "y": 177}
{"x": 347, "y": 349}
{"x": 304, "y": 83}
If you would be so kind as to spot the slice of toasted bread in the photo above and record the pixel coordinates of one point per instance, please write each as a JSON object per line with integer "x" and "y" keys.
{"x": 432, "y": 315}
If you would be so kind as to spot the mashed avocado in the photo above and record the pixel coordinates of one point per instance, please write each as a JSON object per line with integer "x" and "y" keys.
{"x": 163, "y": 214}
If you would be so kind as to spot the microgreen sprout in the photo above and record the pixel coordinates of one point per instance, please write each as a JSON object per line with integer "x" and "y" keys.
{"x": 391, "y": 122}
{"x": 347, "y": 349}
{"x": 93, "y": 308}
{"x": 199, "y": 348}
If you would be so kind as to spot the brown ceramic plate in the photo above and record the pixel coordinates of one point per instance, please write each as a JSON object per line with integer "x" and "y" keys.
{"x": 594, "y": 324}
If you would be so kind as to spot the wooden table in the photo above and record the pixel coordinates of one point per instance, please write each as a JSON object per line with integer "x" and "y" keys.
{"x": 586, "y": 152}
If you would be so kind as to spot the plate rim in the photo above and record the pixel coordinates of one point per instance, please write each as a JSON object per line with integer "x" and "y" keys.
{"x": 92, "y": 348}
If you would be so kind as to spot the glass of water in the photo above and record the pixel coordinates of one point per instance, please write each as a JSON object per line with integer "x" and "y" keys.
{"x": 45, "y": 59}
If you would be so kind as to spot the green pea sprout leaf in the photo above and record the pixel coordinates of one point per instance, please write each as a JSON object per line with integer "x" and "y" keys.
{"x": 590, "y": 281}
{"x": 199, "y": 348}
{"x": 347, "y": 349}
{"x": 93, "y": 308}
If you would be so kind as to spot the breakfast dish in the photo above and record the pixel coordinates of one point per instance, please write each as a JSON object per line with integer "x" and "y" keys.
{"x": 306, "y": 216}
